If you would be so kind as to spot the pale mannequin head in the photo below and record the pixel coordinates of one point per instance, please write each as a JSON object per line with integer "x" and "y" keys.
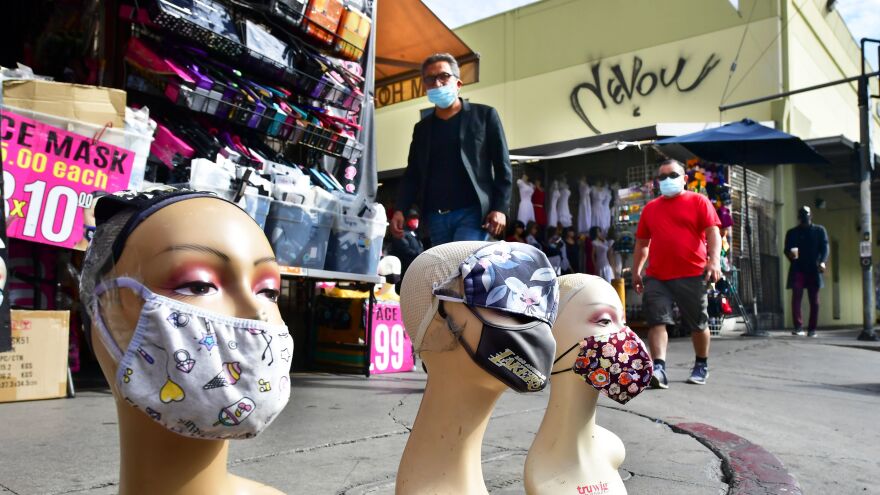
{"x": 203, "y": 251}
{"x": 588, "y": 306}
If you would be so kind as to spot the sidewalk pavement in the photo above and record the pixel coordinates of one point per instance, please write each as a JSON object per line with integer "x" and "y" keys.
{"x": 775, "y": 409}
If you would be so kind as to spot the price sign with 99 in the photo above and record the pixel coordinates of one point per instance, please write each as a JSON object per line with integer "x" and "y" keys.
{"x": 391, "y": 349}
{"x": 50, "y": 177}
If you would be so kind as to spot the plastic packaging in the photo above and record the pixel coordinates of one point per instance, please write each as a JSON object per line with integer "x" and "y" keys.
{"x": 356, "y": 241}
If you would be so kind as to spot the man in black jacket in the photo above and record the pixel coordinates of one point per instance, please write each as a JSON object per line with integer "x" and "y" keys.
{"x": 458, "y": 168}
{"x": 806, "y": 246}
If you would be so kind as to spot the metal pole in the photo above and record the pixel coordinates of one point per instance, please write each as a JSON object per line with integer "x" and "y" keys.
{"x": 865, "y": 216}
{"x": 752, "y": 330}
{"x": 762, "y": 99}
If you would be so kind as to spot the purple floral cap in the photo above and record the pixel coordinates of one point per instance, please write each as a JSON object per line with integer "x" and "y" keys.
{"x": 506, "y": 276}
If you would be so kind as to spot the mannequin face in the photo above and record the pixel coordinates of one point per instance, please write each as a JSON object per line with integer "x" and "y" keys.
{"x": 594, "y": 310}
{"x": 201, "y": 251}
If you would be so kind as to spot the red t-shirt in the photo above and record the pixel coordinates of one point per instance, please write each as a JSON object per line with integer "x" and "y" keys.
{"x": 676, "y": 228}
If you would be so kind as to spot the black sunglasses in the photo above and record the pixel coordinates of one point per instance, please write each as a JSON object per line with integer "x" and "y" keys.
{"x": 670, "y": 175}
{"x": 443, "y": 77}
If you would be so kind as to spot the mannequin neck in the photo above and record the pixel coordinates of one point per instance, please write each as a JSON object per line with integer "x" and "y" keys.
{"x": 155, "y": 460}
{"x": 447, "y": 435}
{"x": 571, "y": 414}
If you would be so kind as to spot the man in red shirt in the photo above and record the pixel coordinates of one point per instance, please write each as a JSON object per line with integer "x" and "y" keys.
{"x": 675, "y": 229}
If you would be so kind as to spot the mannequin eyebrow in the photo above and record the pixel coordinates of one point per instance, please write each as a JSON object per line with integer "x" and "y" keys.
{"x": 196, "y": 247}
{"x": 267, "y": 259}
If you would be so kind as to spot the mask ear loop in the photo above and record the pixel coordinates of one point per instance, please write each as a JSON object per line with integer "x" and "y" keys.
{"x": 103, "y": 332}
{"x": 451, "y": 324}
{"x": 562, "y": 356}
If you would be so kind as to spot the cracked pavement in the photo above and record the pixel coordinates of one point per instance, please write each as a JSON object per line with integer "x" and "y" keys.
{"x": 811, "y": 403}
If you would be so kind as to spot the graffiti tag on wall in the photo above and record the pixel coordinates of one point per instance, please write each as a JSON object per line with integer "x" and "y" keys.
{"x": 619, "y": 87}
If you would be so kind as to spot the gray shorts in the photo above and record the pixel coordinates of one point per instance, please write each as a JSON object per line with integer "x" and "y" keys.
{"x": 688, "y": 293}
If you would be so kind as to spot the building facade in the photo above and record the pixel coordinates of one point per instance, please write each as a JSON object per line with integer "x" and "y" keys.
{"x": 567, "y": 72}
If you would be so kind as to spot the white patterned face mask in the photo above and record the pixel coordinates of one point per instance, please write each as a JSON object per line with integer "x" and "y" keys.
{"x": 198, "y": 373}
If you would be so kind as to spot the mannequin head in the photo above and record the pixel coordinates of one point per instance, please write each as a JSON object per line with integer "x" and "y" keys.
{"x": 202, "y": 251}
{"x": 457, "y": 290}
{"x": 588, "y": 306}
{"x": 596, "y": 234}
{"x": 532, "y": 229}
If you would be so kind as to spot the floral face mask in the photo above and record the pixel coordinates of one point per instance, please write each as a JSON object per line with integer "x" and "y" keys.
{"x": 616, "y": 364}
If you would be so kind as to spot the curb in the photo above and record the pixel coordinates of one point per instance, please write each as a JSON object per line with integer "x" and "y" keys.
{"x": 751, "y": 469}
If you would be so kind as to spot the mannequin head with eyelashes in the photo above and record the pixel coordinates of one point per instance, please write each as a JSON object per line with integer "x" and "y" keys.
{"x": 588, "y": 306}
{"x": 202, "y": 251}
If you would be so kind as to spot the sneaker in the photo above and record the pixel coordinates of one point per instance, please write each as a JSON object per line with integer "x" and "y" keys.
{"x": 798, "y": 331}
{"x": 658, "y": 379}
{"x": 699, "y": 374}
{"x": 812, "y": 333}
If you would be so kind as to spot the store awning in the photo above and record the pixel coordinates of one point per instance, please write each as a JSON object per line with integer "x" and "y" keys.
{"x": 407, "y": 32}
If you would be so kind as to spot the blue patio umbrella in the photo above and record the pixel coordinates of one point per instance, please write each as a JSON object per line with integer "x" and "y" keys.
{"x": 747, "y": 143}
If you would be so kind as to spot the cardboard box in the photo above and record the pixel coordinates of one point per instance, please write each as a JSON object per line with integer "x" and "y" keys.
{"x": 92, "y": 104}
{"x": 36, "y": 368}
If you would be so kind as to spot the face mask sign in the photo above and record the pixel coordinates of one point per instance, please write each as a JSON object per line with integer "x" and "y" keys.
{"x": 616, "y": 364}
{"x": 200, "y": 374}
{"x": 519, "y": 356}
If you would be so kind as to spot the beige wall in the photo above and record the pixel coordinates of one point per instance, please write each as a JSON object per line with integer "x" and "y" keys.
{"x": 532, "y": 58}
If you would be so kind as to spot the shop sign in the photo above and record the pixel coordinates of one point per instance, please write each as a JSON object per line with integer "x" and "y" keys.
{"x": 618, "y": 86}
{"x": 50, "y": 177}
{"x": 391, "y": 349}
{"x": 399, "y": 91}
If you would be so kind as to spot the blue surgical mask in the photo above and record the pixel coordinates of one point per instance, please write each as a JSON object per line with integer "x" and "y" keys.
{"x": 671, "y": 187}
{"x": 444, "y": 96}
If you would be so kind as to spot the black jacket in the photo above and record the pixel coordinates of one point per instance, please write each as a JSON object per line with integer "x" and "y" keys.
{"x": 407, "y": 248}
{"x": 483, "y": 152}
{"x": 812, "y": 244}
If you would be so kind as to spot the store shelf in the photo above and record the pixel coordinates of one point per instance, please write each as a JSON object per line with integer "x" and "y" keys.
{"x": 328, "y": 276}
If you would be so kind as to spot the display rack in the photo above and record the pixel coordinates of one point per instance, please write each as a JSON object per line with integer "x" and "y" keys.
{"x": 364, "y": 282}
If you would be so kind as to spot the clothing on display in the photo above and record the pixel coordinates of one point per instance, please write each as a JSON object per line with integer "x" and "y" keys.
{"x": 562, "y": 209}
{"x": 616, "y": 259}
{"x": 526, "y": 211}
{"x": 585, "y": 209}
{"x": 601, "y": 207}
{"x": 552, "y": 214}
{"x": 538, "y": 198}
{"x": 603, "y": 268}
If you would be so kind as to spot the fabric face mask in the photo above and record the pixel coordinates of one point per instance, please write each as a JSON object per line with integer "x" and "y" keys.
{"x": 519, "y": 356}
{"x": 444, "y": 96}
{"x": 198, "y": 373}
{"x": 616, "y": 364}
{"x": 670, "y": 187}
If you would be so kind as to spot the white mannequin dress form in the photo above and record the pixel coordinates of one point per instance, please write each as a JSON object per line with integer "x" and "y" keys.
{"x": 564, "y": 212}
{"x": 596, "y": 204}
{"x": 443, "y": 452}
{"x": 603, "y": 267}
{"x": 526, "y": 211}
{"x": 571, "y": 453}
{"x": 605, "y": 209}
{"x": 584, "y": 222}
{"x": 553, "y": 213}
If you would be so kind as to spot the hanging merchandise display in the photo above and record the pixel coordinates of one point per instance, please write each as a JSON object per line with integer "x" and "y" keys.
{"x": 563, "y": 210}
{"x": 526, "y": 211}
{"x": 585, "y": 210}
{"x": 538, "y": 198}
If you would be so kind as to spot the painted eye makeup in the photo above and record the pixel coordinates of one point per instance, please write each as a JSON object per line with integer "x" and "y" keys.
{"x": 196, "y": 288}
{"x": 270, "y": 294}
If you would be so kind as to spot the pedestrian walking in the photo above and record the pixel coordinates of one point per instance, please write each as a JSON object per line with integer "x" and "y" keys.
{"x": 806, "y": 247}
{"x": 672, "y": 237}
{"x": 458, "y": 167}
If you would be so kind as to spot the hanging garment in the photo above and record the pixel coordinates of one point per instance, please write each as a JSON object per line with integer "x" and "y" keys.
{"x": 538, "y": 202}
{"x": 588, "y": 266}
{"x": 584, "y": 208}
{"x": 552, "y": 215}
{"x": 562, "y": 208}
{"x": 526, "y": 211}
{"x": 603, "y": 268}
{"x": 601, "y": 204}
{"x": 595, "y": 205}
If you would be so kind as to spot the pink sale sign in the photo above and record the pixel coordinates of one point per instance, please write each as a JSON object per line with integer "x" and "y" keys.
{"x": 390, "y": 347}
{"x": 50, "y": 176}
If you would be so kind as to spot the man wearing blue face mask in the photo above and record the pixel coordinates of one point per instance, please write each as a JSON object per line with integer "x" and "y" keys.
{"x": 680, "y": 229}
{"x": 458, "y": 168}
